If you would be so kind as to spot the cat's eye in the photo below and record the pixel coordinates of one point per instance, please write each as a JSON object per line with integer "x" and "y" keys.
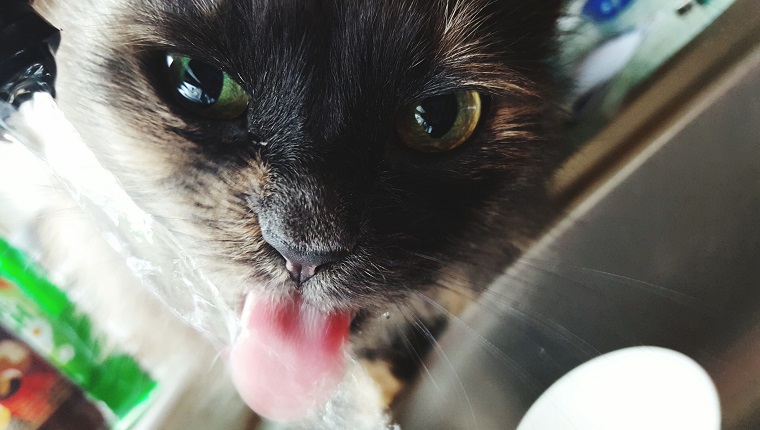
{"x": 204, "y": 89}
{"x": 440, "y": 123}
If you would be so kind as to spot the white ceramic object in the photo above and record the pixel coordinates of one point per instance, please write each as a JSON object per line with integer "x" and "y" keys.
{"x": 635, "y": 388}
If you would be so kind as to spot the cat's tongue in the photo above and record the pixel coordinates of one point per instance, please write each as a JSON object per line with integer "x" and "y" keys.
{"x": 289, "y": 358}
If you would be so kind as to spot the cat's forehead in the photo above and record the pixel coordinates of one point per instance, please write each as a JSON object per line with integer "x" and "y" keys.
{"x": 385, "y": 42}
{"x": 373, "y": 25}
{"x": 351, "y": 59}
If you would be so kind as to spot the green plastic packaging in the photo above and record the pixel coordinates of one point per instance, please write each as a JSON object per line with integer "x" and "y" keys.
{"x": 40, "y": 314}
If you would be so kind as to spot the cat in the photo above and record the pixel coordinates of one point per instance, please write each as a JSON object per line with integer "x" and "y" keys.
{"x": 377, "y": 159}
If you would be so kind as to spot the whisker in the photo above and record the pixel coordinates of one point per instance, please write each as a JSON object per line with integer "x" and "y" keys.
{"x": 669, "y": 293}
{"x": 550, "y": 268}
{"x": 410, "y": 347}
{"x": 439, "y": 351}
{"x": 489, "y": 347}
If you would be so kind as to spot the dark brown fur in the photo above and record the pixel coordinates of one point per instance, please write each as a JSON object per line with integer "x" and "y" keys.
{"x": 316, "y": 154}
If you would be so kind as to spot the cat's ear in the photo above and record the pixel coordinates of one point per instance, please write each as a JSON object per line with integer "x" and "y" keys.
{"x": 550, "y": 10}
{"x": 541, "y": 15}
{"x": 529, "y": 28}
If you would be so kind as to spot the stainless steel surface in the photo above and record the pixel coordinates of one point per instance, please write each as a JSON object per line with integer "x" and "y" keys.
{"x": 666, "y": 252}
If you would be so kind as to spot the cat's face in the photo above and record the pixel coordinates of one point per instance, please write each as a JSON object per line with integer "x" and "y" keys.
{"x": 316, "y": 165}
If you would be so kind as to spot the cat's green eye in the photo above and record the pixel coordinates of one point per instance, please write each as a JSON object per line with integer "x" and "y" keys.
{"x": 204, "y": 89}
{"x": 440, "y": 123}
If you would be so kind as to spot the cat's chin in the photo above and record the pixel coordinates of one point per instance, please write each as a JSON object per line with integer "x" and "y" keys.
{"x": 289, "y": 357}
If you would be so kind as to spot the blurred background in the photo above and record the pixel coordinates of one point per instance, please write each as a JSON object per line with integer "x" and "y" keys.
{"x": 660, "y": 241}
{"x": 659, "y": 244}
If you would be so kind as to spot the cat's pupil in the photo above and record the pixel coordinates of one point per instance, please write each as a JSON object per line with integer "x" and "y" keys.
{"x": 202, "y": 89}
{"x": 202, "y": 83}
{"x": 436, "y": 115}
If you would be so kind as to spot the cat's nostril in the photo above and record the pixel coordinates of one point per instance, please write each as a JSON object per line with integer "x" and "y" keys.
{"x": 303, "y": 266}
{"x": 302, "y": 263}
{"x": 300, "y": 273}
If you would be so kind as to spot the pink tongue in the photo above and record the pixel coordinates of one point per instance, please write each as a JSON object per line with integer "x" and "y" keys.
{"x": 289, "y": 359}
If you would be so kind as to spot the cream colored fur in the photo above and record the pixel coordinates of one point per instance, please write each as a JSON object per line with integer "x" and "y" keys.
{"x": 38, "y": 215}
{"x": 194, "y": 389}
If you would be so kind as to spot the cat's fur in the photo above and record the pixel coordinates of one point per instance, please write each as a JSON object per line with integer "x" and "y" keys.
{"x": 316, "y": 153}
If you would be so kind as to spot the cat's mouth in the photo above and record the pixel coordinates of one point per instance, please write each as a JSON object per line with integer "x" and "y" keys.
{"x": 293, "y": 350}
{"x": 290, "y": 356}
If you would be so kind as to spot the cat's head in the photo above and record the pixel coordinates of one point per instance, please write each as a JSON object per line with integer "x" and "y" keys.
{"x": 346, "y": 154}
{"x": 353, "y": 151}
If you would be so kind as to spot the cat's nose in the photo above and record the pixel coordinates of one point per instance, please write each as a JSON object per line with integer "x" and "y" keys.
{"x": 303, "y": 265}
{"x": 300, "y": 273}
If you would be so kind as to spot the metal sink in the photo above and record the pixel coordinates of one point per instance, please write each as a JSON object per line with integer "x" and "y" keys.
{"x": 660, "y": 246}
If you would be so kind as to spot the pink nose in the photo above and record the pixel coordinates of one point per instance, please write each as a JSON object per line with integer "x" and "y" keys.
{"x": 302, "y": 266}
{"x": 300, "y": 273}
{"x": 303, "y": 260}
